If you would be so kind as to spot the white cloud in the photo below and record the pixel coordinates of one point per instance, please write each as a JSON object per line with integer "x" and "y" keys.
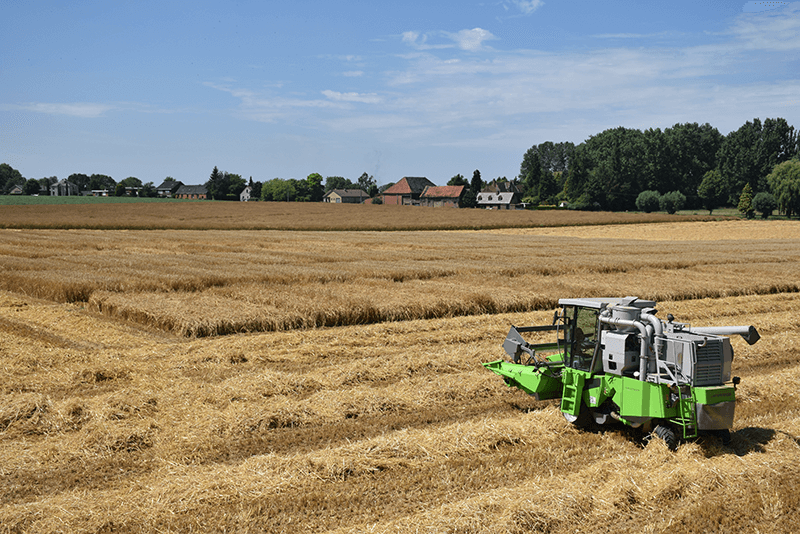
{"x": 770, "y": 30}
{"x": 471, "y": 39}
{"x": 526, "y": 7}
{"x": 79, "y": 109}
{"x": 353, "y": 73}
{"x": 365, "y": 98}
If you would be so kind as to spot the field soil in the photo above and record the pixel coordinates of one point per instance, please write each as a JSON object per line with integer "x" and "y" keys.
{"x": 147, "y": 386}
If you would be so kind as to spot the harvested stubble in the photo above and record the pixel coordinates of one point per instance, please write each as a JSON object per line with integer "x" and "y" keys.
{"x": 209, "y": 283}
{"x": 391, "y": 427}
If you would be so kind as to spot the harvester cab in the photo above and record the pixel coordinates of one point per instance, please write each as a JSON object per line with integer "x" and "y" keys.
{"x": 614, "y": 362}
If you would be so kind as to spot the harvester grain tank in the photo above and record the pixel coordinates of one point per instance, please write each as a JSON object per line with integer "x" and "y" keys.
{"x": 613, "y": 361}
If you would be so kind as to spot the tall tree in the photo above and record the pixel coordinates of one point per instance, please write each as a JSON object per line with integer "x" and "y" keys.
{"x": 80, "y": 180}
{"x": 692, "y": 151}
{"x": 785, "y": 183}
{"x": 338, "y": 182}
{"x": 750, "y": 153}
{"x": 458, "y": 180}
{"x": 367, "y": 183}
{"x": 101, "y": 181}
{"x": 315, "y": 189}
{"x": 712, "y": 191}
{"x": 9, "y": 177}
{"x": 215, "y": 185}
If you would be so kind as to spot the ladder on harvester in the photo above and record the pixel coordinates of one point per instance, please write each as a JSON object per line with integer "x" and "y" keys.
{"x": 573, "y": 390}
{"x": 687, "y": 415}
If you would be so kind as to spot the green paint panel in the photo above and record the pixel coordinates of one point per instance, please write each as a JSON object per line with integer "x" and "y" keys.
{"x": 641, "y": 399}
{"x": 714, "y": 394}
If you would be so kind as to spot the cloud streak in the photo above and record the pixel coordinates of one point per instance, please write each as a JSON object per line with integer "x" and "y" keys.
{"x": 76, "y": 109}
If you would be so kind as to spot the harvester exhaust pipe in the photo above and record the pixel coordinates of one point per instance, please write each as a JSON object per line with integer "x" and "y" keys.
{"x": 749, "y": 333}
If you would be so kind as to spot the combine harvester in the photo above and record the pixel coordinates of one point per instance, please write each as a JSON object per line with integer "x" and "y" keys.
{"x": 614, "y": 361}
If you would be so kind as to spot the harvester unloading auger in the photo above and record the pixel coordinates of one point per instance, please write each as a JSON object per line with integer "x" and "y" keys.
{"x": 614, "y": 361}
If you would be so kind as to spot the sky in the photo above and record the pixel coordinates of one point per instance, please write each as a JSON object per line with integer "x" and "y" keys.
{"x": 282, "y": 89}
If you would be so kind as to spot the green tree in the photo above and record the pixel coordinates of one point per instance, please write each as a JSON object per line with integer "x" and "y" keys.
{"x": 692, "y": 150}
{"x": 9, "y": 177}
{"x": 80, "y": 180}
{"x": 765, "y": 204}
{"x": 470, "y": 197}
{"x": 367, "y": 184}
{"x": 315, "y": 189}
{"x": 748, "y": 154}
{"x": 215, "y": 185}
{"x": 648, "y": 201}
{"x": 148, "y": 190}
{"x": 672, "y": 201}
{"x": 745, "y": 205}
{"x": 234, "y": 185}
{"x": 712, "y": 191}
{"x": 338, "y": 182}
{"x": 458, "y": 180}
{"x": 279, "y": 190}
{"x": 31, "y": 187}
{"x": 101, "y": 181}
{"x": 784, "y": 180}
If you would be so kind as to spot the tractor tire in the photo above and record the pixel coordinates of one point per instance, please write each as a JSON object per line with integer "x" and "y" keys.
{"x": 668, "y": 435}
{"x": 582, "y": 420}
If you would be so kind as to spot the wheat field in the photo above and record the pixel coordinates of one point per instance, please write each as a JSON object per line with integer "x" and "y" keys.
{"x": 262, "y": 381}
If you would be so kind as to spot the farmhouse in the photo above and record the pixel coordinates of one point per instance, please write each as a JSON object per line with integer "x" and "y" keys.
{"x": 168, "y": 188}
{"x": 442, "y": 196}
{"x": 501, "y": 196}
{"x": 407, "y": 191}
{"x": 244, "y": 196}
{"x": 194, "y": 192}
{"x": 63, "y": 189}
{"x": 345, "y": 196}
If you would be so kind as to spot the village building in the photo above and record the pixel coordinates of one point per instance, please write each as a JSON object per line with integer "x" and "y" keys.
{"x": 345, "y": 196}
{"x": 442, "y": 196}
{"x": 244, "y": 196}
{"x": 500, "y": 195}
{"x": 193, "y": 192}
{"x": 168, "y": 188}
{"x": 64, "y": 188}
{"x": 407, "y": 191}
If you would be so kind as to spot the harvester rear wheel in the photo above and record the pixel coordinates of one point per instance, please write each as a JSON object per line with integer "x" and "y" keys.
{"x": 668, "y": 435}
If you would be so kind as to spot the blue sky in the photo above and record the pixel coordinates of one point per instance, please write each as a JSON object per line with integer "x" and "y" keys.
{"x": 418, "y": 88}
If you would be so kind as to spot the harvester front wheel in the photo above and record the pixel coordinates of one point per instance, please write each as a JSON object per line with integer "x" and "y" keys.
{"x": 668, "y": 435}
{"x": 582, "y": 420}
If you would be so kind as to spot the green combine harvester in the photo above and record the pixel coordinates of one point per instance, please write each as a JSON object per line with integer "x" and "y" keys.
{"x": 614, "y": 362}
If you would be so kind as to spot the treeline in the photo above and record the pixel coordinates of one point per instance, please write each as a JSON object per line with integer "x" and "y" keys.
{"x": 11, "y": 178}
{"x": 690, "y": 164}
{"x": 310, "y": 189}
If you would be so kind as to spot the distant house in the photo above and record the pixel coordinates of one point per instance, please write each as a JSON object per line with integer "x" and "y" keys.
{"x": 63, "y": 189}
{"x": 345, "y": 196}
{"x": 16, "y": 190}
{"x": 99, "y": 192}
{"x": 407, "y": 191}
{"x": 244, "y": 196}
{"x": 501, "y": 196}
{"x": 441, "y": 196}
{"x": 194, "y": 192}
{"x": 168, "y": 188}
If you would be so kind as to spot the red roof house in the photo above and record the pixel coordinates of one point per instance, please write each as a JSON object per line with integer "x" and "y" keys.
{"x": 407, "y": 191}
{"x": 442, "y": 196}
